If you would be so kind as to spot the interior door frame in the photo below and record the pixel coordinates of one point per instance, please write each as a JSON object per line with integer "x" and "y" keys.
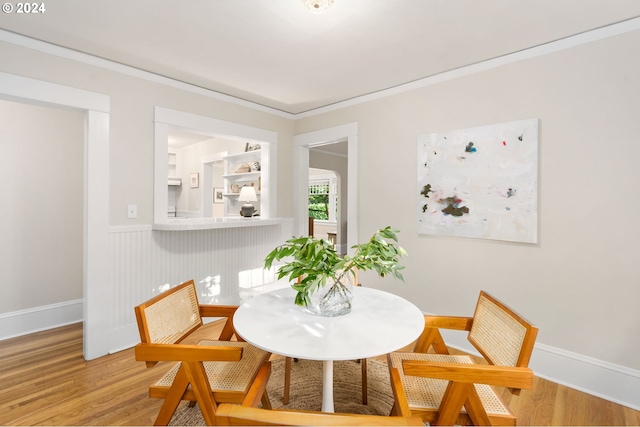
{"x": 95, "y": 257}
{"x": 301, "y": 144}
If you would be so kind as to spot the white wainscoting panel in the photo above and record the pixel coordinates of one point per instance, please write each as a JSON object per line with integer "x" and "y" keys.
{"x": 224, "y": 262}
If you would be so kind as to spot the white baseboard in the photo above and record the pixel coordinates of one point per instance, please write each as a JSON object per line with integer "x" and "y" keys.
{"x": 609, "y": 381}
{"x": 23, "y": 322}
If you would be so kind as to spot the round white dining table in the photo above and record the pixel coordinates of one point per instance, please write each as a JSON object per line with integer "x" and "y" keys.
{"x": 379, "y": 323}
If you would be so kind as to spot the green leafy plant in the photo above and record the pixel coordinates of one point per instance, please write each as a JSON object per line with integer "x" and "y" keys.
{"x": 314, "y": 262}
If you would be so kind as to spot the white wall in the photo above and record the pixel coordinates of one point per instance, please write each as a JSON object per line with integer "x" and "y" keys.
{"x": 579, "y": 284}
{"x": 41, "y": 175}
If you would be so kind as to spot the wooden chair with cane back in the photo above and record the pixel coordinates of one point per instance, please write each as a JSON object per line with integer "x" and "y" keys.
{"x": 287, "y": 365}
{"x": 247, "y": 414}
{"x": 445, "y": 389}
{"x": 211, "y": 372}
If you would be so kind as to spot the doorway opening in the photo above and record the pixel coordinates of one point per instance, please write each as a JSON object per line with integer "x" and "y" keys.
{"x": 333, "y": 149}
{"x": 95, "y": 250}
{"x": 41, "y": 166}
{"x": 329, "y": 194}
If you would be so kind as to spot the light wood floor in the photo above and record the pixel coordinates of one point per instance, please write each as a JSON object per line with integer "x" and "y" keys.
{"x": 44, "y": 380}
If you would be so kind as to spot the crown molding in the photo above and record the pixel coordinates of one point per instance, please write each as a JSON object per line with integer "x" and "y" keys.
{"x": 601, "y": 33}
{"x": 85, "y": 58}
{"x": 540, "y": 50}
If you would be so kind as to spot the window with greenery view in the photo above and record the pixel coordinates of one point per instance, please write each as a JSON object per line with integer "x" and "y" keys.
{"x": 322, "y": 200}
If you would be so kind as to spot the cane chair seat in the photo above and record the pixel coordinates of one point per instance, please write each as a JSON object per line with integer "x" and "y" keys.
{"x": 223, "y": 376}
{"x": 426, "y": 393}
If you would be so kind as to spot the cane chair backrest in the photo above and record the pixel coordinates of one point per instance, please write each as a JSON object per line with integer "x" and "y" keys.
{"x": 502, "y": 336}
{"x": 170, "y": 317}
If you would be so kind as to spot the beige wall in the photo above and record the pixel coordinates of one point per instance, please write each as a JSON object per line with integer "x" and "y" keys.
{"x": 579, "y": 284}
{"x": 41, "y": 176}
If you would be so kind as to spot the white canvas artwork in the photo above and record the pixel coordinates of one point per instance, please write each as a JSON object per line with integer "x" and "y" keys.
{"x": 480, "y": 182}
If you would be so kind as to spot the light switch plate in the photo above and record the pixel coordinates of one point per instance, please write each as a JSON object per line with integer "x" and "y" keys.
{"x": 132, "y": 211}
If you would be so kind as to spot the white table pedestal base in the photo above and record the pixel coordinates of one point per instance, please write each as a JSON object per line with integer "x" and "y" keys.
{"x": 327, "y": 386}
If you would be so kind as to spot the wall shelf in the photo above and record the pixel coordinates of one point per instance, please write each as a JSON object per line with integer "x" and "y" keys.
{"x": 246, "y": 156}
{"x": 236, "y": 180}
{"x": 236, "y": 194}
{"x": 245, "y": 176}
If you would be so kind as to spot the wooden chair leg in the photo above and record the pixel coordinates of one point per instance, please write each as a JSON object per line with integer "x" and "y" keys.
{"x": 475, "y": 409}
{"x": 200, "y": 385}
{"x": 452, "y": 402}
{"x": 266, "y": 403}
{"x": 173, "y": 398}
{"x": 287, "y": 380}
{"x": 363, "y": 364}
{"x": 394, "y": 410}
{"x": 257, "y": 393}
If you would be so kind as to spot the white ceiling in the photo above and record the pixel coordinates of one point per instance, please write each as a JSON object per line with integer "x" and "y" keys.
{"x": 278, "y": 54}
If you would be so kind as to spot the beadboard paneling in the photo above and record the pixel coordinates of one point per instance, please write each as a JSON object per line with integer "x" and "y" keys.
{"x": 223, "y": 262}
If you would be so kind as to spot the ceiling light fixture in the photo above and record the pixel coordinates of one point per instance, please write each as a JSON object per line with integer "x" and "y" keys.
{"x": 318, "y": 5}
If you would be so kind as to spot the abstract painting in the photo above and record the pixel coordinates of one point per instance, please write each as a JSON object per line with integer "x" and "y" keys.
{"x": 480, "y": 182}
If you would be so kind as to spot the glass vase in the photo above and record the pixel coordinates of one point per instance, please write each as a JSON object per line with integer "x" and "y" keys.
{"x": 334, "y": 299}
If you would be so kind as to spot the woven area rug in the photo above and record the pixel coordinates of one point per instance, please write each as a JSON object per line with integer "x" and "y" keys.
{"x": 306, "y": 389}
